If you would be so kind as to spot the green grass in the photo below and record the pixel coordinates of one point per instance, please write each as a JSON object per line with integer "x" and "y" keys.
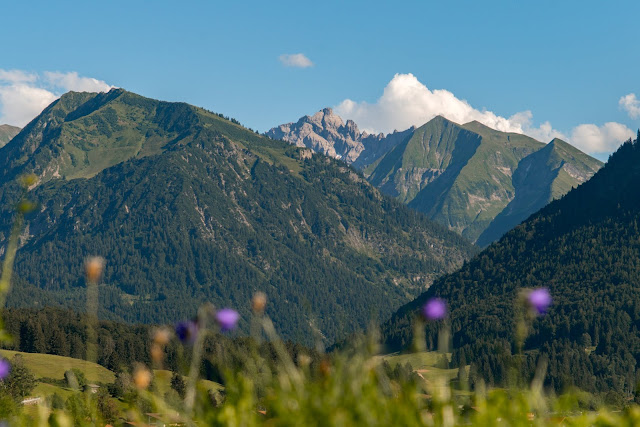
{"x": 421, "y": 360}
{"x": 163, "y": 381}
{"x": 44, "y": 390}
{"x": 51, "y": 366}
{"x": 423, "y": 363}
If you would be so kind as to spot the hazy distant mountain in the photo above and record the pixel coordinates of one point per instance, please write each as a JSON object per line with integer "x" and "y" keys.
{"x": 585, "y": 248}
{"x": 475, "y": 180}
{"x": 7, "y": 132}
{"x": 187, "y": 206}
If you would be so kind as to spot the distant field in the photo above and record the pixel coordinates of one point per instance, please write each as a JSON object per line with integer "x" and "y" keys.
{"x": 423, "y": 362}
{"x": 51, "y": 366}
{"x": 44, "y": 389}
{"x": 163, "y": 381}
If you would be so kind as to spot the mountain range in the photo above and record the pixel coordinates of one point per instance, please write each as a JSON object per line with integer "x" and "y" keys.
{"x": 188, "y": 206}
{"x": 585, "y": 249}
{"x": 475, "y": 180}
{"x": 7, "y": 132}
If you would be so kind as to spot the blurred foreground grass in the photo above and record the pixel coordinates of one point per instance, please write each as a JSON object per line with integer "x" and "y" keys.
{"x": 350, "y": 387}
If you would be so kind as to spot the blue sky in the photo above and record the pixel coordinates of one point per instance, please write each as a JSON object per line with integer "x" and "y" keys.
{"x": 567, "y": 63}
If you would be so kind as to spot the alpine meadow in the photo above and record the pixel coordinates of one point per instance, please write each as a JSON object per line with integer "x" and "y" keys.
{"x": 319, "y": 214}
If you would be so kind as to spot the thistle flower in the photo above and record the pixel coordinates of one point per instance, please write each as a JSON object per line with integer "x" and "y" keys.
{"x": 540, "y": 300}
{"x": 434, "y": 309}
{"x": 227, "y": 319}
{"x": 5, "y": 368}
{"x": 187, "y": 331}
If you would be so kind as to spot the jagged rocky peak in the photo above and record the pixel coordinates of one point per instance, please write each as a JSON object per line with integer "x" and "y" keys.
{"x": 351, "y": 128}
{"x": 324, "y": 132}
{"x": 327, "y": 133}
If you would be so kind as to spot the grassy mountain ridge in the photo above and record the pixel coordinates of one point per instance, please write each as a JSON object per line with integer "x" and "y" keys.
{"x": 585, "y": 248}
{"x": 545, "y": 175}
{"x": 189, "y": 207}
{"x": 472, "y": 196}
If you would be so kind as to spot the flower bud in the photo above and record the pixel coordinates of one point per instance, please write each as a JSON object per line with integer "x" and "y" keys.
{"x": 28, "y": 180}
{"x": 157, "y": 354}
{"x": 94, "y": 267}
{"x": 161, "y": 336}
{"x": 259, "y": 302}
{"x": 141, "y": 377}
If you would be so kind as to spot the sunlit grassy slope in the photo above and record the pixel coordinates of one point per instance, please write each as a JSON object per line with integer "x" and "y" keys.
{"x": 52, "y": 366}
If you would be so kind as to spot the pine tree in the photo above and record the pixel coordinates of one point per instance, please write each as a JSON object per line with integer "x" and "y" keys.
{"x": 20, "y": 381}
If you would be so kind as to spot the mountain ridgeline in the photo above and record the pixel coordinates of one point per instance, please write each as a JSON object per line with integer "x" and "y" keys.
{"x": 474, "y": 180}
{"x": 7, "y": 132}
{"x": 585, "y": 248}
{"x": 187, "y": 207}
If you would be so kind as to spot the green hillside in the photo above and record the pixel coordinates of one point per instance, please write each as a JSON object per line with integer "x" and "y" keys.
{"x": 7, "y": 132}
{"x": 52, "y": 366}
{"x": 585, "y": 248}
{"x": 475, "y": 180}
{"x": 545, "y": 175}
{"x": 187, "y": 206}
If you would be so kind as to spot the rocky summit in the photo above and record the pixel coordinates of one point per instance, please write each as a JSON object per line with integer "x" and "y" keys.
{"x": 325, "y": 132}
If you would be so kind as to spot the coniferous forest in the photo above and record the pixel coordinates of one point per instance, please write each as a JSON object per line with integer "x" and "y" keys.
{"x": 193, "y": 207}
{"x": 438, "y": 263}
{"x": 585, "y": 249}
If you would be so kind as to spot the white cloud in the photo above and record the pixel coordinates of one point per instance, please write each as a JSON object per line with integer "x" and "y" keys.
{"x": 72, "y": 81}
{"x": 406, "y": 102}
{"x": 600, "y": 139}
{"x": 20, "y": 103}
{"x": 631, "y": 105}
{"x": 17, "y": 76}
{"x": 297, "y": 60}
{"x": 24, "y": 95}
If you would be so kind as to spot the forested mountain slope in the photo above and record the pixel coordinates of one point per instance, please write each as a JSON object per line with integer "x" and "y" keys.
{"x": 585, "y": 248}
{"x": 188, "y": 207}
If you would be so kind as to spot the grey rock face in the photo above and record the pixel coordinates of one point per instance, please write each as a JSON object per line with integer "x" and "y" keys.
{"x": 325, "y": 132}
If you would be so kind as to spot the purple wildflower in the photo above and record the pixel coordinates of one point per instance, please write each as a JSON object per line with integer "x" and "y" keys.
{"x": 540, "y": 300}
{"x": 227, "y": 318}
{"x": 187, "y": 331}
{"x": 434, "y": 309}
{"x": 5, "y": 368}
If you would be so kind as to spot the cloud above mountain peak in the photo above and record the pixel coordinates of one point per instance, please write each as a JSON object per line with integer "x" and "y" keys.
{"x": 23, "y": 95}
{"x": 407, "y": 102}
